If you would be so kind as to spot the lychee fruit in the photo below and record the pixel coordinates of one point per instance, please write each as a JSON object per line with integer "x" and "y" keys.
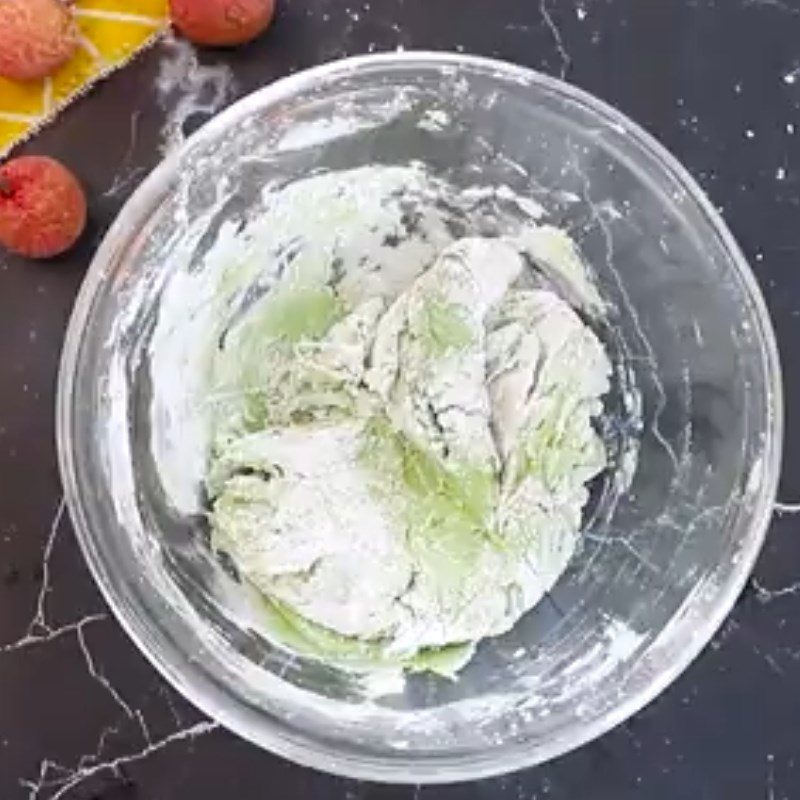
{"x": 221, "y": 23}
{"x": 36, "y": 38}
{"x": 42, "y": 207}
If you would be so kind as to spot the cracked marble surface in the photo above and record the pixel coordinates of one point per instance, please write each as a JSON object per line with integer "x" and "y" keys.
{"x": 83, "y": 716}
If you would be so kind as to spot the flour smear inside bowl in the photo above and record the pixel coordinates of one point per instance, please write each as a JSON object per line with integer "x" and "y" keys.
{"x": 384, "y": 393}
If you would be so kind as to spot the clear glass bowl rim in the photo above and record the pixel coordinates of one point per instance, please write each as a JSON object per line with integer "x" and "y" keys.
{"x": 211, "y": 698}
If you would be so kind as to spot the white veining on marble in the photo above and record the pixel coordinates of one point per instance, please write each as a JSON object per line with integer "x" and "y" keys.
{"x": 133, "y": 714}
{"x": 766, "y": 595}
{"x": 55, "y": 781}
{"x": 599, "y": 214}
{"x": 558, "y": 40}
{"x": 626, "y": 544}
{"x": 39, "y": 629}
{"x": 787, "y": 508}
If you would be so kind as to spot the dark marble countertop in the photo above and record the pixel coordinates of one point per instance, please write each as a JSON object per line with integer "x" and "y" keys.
{"x": 83, "y": 715}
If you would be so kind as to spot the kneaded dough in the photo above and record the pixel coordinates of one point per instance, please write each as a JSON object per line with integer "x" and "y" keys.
{"x": 406, "y": 471}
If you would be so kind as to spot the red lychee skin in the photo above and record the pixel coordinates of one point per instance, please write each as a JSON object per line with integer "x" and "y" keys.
{"x": 221, "y": 23}
{"x": 42, "y": 207}
{"x": 36, "y": 38}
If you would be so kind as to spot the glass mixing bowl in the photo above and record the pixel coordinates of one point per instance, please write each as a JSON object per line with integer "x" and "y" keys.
{"x": 660, "y": 567}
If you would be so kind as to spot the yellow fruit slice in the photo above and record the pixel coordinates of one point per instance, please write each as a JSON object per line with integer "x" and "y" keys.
{"x": 112, "y": 31}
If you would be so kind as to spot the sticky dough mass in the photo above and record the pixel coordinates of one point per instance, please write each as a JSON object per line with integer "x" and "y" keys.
{"x": 406, "y": 470}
